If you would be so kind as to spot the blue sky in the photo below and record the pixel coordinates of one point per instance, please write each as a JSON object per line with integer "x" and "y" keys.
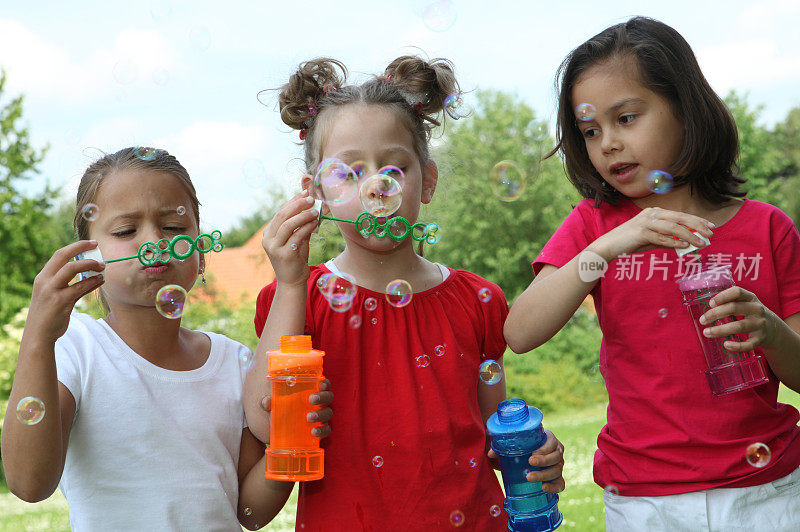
{"x": 184, "y": 75}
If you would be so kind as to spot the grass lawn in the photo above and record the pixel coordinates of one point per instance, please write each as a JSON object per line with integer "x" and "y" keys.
{"x": 581, "y": 503}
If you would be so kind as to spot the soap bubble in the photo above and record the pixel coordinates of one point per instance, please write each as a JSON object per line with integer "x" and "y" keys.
{"x": 160, "y": 77}
{"x": 659, "y": 181}
{"x": 456, "y": 518}
{"x": 399, "y": 293}
{"x": 432, "y": 235}
{"x": 485, "y": 295}
{"x": 145, "y": 153}
{"x": 248, "y": 511}
{"x": 393, "y": 172}
{"x": 246, "y": 359}
{"x": 30, "y": 410}
{"x": 255, "y": 174}
{"x": 124, "y": 72}
{"x": 439, "y": 15}
{"x": 381, "y": 195}
{"x": 377, "y": 461}
{"x": 170, "y": 301}
{"x": 490, "y": 371}
{"x": 439, "y": 350}
{"x": 291, "y": 380}
{"x": 758, "y": 454}
{"x": 370, "y": 303}
{"x": 374, "y": 321}
{"x": 536, "y": 130}
{"x": 662, "y": 313}
{"x": 494, "y": 510}
{"x": 359, "y": 168}
{"x": 507, "y": 181}
{"x": 354, "y": 321}
{"x": 90, "y": 212}
{"x": 338, "y": 289}
{"x": 455, "y": 107}
{"x": 422, "y": 361}
{"x": 611, "y": 489}
{"x": 335, "y": 183}
{"x": 181, "y": 210}
{"x": 585, "y": 112}
{"x": 200, "y": 38}
{"x": 473, "y": 462}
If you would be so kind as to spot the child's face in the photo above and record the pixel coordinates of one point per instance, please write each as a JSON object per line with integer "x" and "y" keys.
{"x": 634, "y": 130}
{"x": 372, "y": 135}
{"x": 137, "y": 206}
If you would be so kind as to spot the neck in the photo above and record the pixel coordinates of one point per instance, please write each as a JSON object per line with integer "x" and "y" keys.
{"x": 152, "y": 336}
{"x": 679, "y": 199}
{"x": 374, "y": 270}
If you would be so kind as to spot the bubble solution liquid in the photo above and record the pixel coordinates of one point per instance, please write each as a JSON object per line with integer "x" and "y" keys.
{"x": 727, "y": 371}
{"x": 516, "y": 431}
{"x": 295, "y": 372}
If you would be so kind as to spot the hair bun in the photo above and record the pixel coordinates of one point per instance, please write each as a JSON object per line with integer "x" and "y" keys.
{"x": 313, "y": 79}
{"x": 426, "y": 82}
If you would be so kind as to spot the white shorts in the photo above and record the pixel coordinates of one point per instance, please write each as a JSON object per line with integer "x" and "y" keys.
{"x": 774, "y": 506}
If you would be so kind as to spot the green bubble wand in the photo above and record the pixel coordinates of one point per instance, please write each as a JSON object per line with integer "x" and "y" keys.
{"x": 397, "y": 228}
{"x": 152, "y": 253}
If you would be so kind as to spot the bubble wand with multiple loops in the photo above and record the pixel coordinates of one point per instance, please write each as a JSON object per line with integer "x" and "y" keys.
{"x": 151, "y": 253}
{"x": 397, "y": 228}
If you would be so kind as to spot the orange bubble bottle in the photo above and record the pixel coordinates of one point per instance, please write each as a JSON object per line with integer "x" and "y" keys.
{"x": 295, "y": 372}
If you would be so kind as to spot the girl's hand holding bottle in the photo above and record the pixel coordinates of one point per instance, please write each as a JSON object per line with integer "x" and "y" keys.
{"x": 53, "y": 298}
{"x": 652, "y": 228}
{"x": 323, "y": 397}
{"x": 758, "y": 322}
{"x": 550, "y": 456}
{"x": 286, "y": 239}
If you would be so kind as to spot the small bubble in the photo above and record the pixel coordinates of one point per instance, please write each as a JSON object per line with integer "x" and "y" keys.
{"x": 456, "y": 518}
{"x": 124, "y": 72}
{"x": 374, "y": 321}
{"x": 291, "y": 380}
{"x": 248, "y": 511}
{"x": 354, "y": 321}
{"x": 399, "y": 293}
{"x": 485, "y": 295}
{"x": 490, "y": 371}
{"x": 30, "y": 410}
{"x": 473, "y": 462}
{"x": 454, "y": 106}
{"x": 181, "y": 210}
{"x": 432, "y": 233}
{"x": 423, "y": 361}
{"x": 611, "y": 489}
{"x": 439, "y": 15}
{"x": 507, "y": 181}
{"x": 585, "y": 112}
{"x": 200, "y": 38}
{"x": 370, "y": 303}
{"x": 160, "y": 77}
{"x": 377, "y": 461}
{"x": 145, "y": 153}
{"x": 439, "y": 350}
{"x": 536, "y": 130}
{"x": 170, "y": 301}
{"x": 659, "y": 181}
{"x": 494, "y": 510}
{"x": 758, "y": 454}
{"x": 90, "y": 212}
{"x": 662, "y": 313}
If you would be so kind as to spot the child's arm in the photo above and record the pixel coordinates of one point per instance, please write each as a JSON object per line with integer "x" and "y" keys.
{"x": 33, "y": 455}
{"x": 260, "y": 499}
{"x": 286, "y": 243}
{"x": 555, "y": 294}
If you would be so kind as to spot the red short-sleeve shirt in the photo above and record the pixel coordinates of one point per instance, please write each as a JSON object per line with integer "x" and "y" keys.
{"x": 406, "y": 450}
{"x": 665, "y": 432}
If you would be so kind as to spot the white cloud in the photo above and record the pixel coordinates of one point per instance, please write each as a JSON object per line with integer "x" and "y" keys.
{"x": 41, "y": 68}
{"x": 747, "y": 64}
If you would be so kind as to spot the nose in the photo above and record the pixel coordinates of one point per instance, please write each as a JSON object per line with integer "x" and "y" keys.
{"x": 610, "y": 141}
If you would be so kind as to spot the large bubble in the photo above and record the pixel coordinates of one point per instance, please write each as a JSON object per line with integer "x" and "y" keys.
{"x": 335, "y": 182}
{"x": 381, "y": 195}
{"x": 399, "y": 293}
{"x": 507, "y": 181}
{"x": 338, "y": 289}
{"x": 170, "y": 301}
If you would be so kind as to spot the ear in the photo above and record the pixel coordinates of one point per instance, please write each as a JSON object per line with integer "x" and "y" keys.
{"x": 307, "y": 184}
{"x": 430, "y": 176}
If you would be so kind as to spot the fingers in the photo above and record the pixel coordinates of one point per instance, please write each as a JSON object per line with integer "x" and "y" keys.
{"x": 322, "y": 415}
{"x": 321, "y": 398}
{"x": 63, "y": 256}
{"x": 701, "y": 225}
{"x": 77, "y": 290}
{"x": 73, "y": 268}
{"x": 549, "y": 454}
{"x": 300, "y": 202}
{"x": 305, "y": 218}
{"x": 491, "y": 454}
{"x": 555, "y": 486}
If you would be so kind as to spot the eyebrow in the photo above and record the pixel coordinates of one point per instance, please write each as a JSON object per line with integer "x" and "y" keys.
{"x": 622, "y": 103}
{"x": 355, "y": 154}
{"x": 136, "y": 215}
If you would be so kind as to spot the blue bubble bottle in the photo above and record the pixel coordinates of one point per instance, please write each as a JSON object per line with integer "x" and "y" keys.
{"x": 516, "y": 431}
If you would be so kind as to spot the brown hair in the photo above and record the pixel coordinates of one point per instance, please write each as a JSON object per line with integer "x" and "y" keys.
{"x": 668, "y": 67}
{"x": 414, "y": 88}
{"x": 141, "y": 158}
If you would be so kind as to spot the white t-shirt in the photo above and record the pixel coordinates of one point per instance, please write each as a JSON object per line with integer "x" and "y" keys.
{"x": 150, "y": 448}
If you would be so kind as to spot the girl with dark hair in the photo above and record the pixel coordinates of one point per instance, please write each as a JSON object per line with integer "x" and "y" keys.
{"x": 652, "y": 149}
{"x": 411, "y": 447}
{"x": 139, "y": 420}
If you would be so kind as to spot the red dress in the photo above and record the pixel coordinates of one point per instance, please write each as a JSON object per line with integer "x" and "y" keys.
{"x": 406, "y": 450}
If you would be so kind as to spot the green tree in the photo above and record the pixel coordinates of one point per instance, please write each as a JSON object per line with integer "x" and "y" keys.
{"x": 24, "y": 245}
{"x": 787, "y": 139}
{"x": 480, "y": 232}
